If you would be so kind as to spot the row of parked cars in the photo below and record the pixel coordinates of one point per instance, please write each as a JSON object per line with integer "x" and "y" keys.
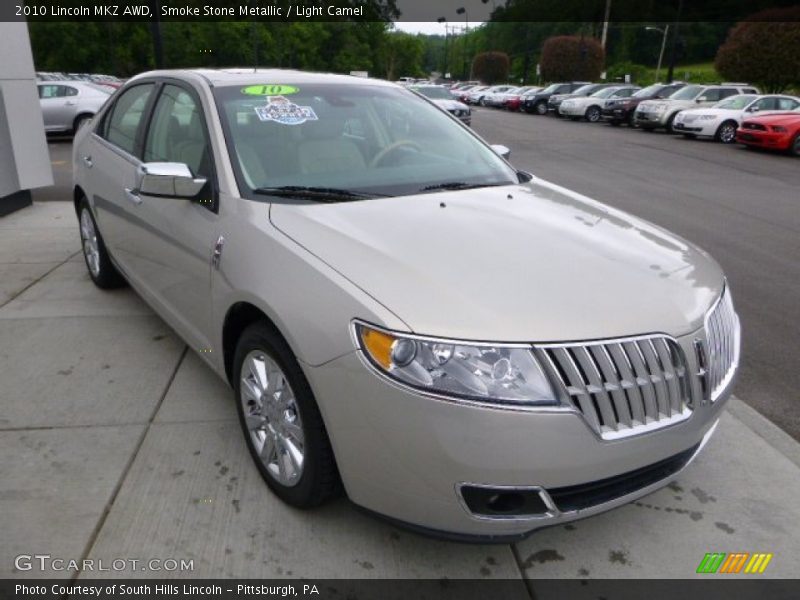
{"x": 727, "y": 112}
{"x": 68, "y": 100}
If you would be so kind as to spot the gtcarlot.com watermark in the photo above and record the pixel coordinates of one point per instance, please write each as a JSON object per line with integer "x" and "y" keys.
{"x": 46, "y": 562}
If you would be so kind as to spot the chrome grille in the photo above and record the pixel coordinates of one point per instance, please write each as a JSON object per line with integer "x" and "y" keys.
{"x": 723, "y": 342}
{"x": 622, "y": 387}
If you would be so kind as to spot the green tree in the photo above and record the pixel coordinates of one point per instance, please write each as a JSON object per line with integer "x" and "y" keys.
{"x": 765, "y": 49}
{"x": 401, "y": 55}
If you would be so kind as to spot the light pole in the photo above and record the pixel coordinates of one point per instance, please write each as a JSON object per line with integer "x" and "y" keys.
{"x": 443, "y": 20}
{"x": 664, "y": 31}
{"x": 463, "y": 11}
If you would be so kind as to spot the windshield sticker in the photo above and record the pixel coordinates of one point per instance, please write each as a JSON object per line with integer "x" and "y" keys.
{"x": 270, "y": 90}
{"x": 283, "y": 111}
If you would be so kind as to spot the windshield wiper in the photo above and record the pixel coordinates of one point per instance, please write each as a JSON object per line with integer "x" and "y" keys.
{"x": 458, "y": 185}
{"x": 320, "y": 194}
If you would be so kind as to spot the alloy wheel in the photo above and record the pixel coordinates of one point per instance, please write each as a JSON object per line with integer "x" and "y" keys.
{"x": 91, "y": 249}
{"x": 541, "y": 108}
{"x": 593, "y": 114}
{"x": 727, "y": 133}
{"x": 272, "y": 417}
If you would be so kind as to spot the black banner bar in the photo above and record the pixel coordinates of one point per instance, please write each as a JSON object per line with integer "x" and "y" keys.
{"x": 711, "y": 587}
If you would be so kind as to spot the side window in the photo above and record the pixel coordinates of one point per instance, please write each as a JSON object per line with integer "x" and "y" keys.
{"x": 67, "y": 91}
{"x": 48, "y": 91}
{"x": 126, "y": 117}
{"x": 712, "y": 95}
{"x": 750, "y": 91}
{"x": 767, "y": 104}
{"x": 787, "y": 104}
{"x": 727, "y": 93}
{"x": 177, "y": 133}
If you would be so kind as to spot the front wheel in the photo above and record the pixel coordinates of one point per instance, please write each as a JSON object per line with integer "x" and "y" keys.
{"x": 592, "y": 114}
{"x": 795, "y": 147}
{"x": 282, "y": 425}
{"x": 727, "y": 132}
{"x": 102, "y": 271}
{"x": 541, "y": 108}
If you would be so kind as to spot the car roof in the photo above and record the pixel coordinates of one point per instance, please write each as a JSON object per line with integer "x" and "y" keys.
{"x": 244, "y": 76}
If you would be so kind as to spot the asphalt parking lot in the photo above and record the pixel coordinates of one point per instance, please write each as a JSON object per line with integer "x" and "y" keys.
{"x": 125, "y": 446}
{"x": 741, "y": 206}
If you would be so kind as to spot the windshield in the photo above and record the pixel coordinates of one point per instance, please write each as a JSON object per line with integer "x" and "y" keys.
{"x": 738, "y": 102}
{"x": 687, "y": 93}
{"x": 551, "y": 89}
{"x": 366, "y": 139}
{"x": 605, "y": 92}
{"x": 584, "y": 90}
{"x": 650, "y": 90}
{"x": 437, "y": 93}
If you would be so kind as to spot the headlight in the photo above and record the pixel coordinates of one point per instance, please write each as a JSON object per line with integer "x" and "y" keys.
{"x": 497, "y": 373}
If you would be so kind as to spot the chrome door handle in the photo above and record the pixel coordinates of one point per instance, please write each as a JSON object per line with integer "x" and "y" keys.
{"x": 87, "y": 160}
{"x": 69, "y": 103}
{"x": 133, "y": 195}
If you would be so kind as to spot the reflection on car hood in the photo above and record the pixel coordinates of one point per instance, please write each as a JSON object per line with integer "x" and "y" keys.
{"x": 530, "y": 262}
{"x": 449, "y": 104}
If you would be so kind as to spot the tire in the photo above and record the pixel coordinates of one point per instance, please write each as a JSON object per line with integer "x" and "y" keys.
{"x": 795, "y": 147}
{"x": 80, "y": 121}
{"x": 668, "y": 126}
{"x": 592, "y": 114}
{"x": 102, "y": 271}
{"x": 540, "y": 108}
{"x": 726, "y": 133}
{"x": 291, "y": 422}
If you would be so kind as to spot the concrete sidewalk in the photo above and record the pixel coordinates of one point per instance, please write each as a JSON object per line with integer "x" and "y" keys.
{"x": 118, "y": 443}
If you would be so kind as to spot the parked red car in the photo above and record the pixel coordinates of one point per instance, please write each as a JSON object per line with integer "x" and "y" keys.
{"x": 776, "y": 132}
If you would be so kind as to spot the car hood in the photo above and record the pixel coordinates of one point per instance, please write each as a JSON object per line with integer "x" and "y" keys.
{"x": 450, "y": 104}
{"x": 789, "y": 118}
{"x": 717, "y": 112}
{"x": 529, "y": 262}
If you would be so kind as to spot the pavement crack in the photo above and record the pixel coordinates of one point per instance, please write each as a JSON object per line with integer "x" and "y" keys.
{"x": 518, "y": 560}
{"x": 118, "y": 487}
{"x": 35, "y": 281}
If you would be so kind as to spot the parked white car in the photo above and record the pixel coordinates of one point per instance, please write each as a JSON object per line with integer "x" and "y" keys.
{"x": 66, "y": 105}
{"x": 723, "y": 119}
{"x": 654, "y": 114}
{"x": 496, "y": 97}
{"x": 591, "y": 107}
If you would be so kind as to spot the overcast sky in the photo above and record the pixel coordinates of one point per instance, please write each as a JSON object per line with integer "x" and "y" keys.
{"x": 420, "y": 16}
{"x": 429, "y": 28}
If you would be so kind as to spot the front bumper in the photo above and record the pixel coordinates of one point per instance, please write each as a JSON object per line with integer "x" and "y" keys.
{"x": 702, "y": 128}
{"x": 651, "y": 119}
{"x": 571, "y": 111}
{"x": 615, "y": 114}
{"x": 405, "y": 456}
{"x": 764, "y": 139}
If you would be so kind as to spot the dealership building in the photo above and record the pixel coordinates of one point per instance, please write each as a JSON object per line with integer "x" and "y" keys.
{"x": 24, "y": 159}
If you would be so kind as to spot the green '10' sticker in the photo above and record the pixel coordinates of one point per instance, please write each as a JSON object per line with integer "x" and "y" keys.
{"x": 269, "y": 90}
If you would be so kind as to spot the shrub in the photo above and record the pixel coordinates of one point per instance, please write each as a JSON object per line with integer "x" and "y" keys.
{"x": 572, "y": 57}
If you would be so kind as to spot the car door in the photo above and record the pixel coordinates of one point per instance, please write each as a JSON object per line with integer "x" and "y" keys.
{"x": 174, "y": 239}
{"x": 54, "y": 101}
{"x": 110, "y": 159}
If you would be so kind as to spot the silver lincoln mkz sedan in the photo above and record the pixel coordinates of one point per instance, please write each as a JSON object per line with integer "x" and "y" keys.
{"x": 464, "y": 347}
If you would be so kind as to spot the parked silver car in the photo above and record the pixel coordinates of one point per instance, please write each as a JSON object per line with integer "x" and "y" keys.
{"x": 465, "y": 347}
{"x": 442, "y": 98}
{"x": 66, "y": 105}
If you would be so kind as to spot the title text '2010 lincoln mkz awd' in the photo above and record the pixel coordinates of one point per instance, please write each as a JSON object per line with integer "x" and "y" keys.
{"x": 464, "y": 347}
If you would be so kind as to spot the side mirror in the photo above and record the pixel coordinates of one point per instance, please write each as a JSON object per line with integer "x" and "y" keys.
{"x": 701, "y": 99}
{"x": 502, "y": 151}
{"x": 753, "y": 109}
{"x": 169, "y": 180}
{"x": 524, "y": 176}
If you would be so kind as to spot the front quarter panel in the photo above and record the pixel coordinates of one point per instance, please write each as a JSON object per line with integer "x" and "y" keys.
{"x": 309, "y": 302}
